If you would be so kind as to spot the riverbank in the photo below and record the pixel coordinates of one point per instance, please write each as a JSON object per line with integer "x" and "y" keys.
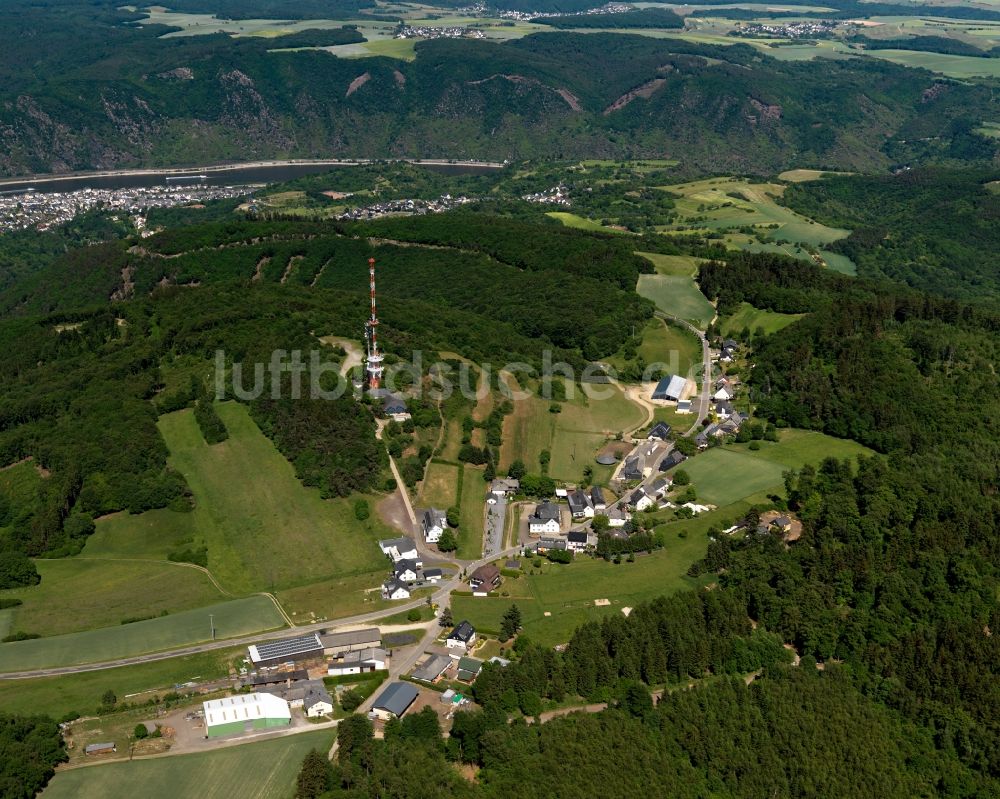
{"x": 43, "y": 182}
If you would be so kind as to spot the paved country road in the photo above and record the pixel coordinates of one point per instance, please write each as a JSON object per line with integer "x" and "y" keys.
{"x": 441, "y": 597}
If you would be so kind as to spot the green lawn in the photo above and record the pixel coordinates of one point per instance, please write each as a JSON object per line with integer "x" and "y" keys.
{"x": 675, "y": 347}
{"x": 954, "y": 66}
{"x": 804, "y": 175}
{"x": 526, "y": 432}
{"x": 20, "y": 482}
{"x": 264, "y": 770}
{"x": 440, "y": 486}
{"x": 336, "y": 598}
{"x": 677, "y": 265}
{"x": 151, "y": 535}
{"x": 234, "y": 618}
{"x": 470, "y": 529}
{"x": 567, "y": 592}
{"x": 678, "y": 296}
{"x": 748, "y": 316}
{"x": 579, "y": 222}
{"x": 722, "y": 476}
{"x": 263, "y": 528}
{"x": 725, "y": 475}
{"x": 796, "y": 448}
{"x": 81, "y": 693}
{"x": 572, "y": 436}
{"x": 77, "y": 594}
{"x": 839, "y": 263}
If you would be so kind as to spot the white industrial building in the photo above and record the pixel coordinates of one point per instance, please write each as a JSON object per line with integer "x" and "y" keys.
{"x": 245, "y": 713}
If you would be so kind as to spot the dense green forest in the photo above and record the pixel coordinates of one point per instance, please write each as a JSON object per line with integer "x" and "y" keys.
{"x": 892, "y": 591}
{"x": 512, "y": 271}
{"x": 82, "y": 391}
{"x": 793, "y": 732}
{"x": 30, "y": 748}
{"x": 934, "y": 229}
{"x": 83, "y": 87}
{"x": 888, "y": 602}
{"x": 930, "y": 44}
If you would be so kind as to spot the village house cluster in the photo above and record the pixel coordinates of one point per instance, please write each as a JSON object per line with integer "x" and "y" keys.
{"x": 527, "y": 16}
{"x": 806, "y": 29}
{"x": 43, "y": 210}
{"x": 450, "y": 32}
{"x": 415, "y": 206}
{"x": 557, "y": 195}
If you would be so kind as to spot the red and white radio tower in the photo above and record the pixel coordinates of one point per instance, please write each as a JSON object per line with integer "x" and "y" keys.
{"x": 373, "y": 359}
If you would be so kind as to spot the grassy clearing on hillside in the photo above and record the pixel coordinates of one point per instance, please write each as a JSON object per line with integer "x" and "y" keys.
{"x": 82, "y": 594}
{"x": 991, "y": 129}
{"x": 805, "y": 175}
{"x": 263, "y": 528}
{"x": 839, "y": 263}
{"x": 678, "y": 347}
{"x": 440, "y": 486}
{"x": 677, "y": 296}
{"x": 473, "y": 509}
{"x": 748, "y": 316}
{"x": 20, "y": 482}
{"x": 721, "y": 203}
{"x": 796, "y": 448}
{"x": 954, "y": 66}
{"x": 728, "y": 474}
{"x": 234, "y": 618}
{"x": 732, "y": 205}
{"x": 572, "y": 436}
{"x": 579, "y": 222}
{"x": 402, "y": 49}
{"x": 568, "y": 592}
{"x": 150, "y": 535}
{"x": 677, "y": 265}
{"x": 527, "y": 430}
{"x": 264, "y": 770}
{"x": 81, "y": 693}
{"x": 722, "y": 476}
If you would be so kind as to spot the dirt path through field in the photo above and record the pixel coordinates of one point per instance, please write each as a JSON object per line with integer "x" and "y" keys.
{"x": 352, "y": 348}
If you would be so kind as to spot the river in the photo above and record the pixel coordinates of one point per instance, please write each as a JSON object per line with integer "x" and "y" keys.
{"x": 220, "y": 175}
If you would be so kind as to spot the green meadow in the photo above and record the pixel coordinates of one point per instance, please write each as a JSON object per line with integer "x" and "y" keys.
{"x": 677, "y": 296}
{"x": 676, "y": 347}
{"x": 77, "y": 594}
{"x": 727, "y": 474}
{"x": 472, "y": 512}
{"x": 676, "y": 265}
{"x": 567, "y": 592}
{"x": 572, "y": 436}
{"x": 439, "y": 488}
{"x": 263, "y": 770}
{"x": 734, "y": 206}
{"x": 19, "y": 483}
{"x": 753, "y": 318}
{"x": 582, "y": 223}
{"x": 81, "y": 693}
{"x": 263, "y": 528}
{"x": 231, "y": 619}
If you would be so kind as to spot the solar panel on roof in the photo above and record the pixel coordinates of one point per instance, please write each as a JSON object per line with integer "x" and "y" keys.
{"x": 288, "y": 647}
